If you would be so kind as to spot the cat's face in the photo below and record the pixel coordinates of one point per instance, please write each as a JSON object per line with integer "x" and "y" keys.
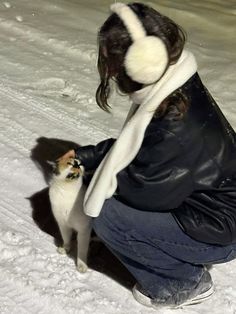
{"x": 67, "y": 169}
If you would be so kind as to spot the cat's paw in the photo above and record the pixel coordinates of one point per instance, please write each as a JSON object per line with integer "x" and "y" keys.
{"x": 81, "y": 266}
{"x": 63, "y": 250}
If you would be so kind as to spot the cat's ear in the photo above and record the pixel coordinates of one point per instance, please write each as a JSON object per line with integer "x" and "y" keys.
{"x": 53, "y": 164}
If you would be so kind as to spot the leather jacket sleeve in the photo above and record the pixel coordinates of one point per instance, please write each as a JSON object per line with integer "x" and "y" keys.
{"x": 90, "y": 156}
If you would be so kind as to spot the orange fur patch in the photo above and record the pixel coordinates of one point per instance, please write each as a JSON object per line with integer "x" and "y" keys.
{"x": 62, "y": 164}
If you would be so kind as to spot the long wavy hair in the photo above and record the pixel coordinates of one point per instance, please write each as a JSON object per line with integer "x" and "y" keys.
{"x": 113, "y": 43}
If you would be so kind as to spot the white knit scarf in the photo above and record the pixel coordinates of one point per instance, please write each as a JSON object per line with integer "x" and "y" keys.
{"x": 104, "y": 181}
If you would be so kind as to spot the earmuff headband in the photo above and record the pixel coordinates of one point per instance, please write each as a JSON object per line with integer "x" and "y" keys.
{"x": 130, "y": 19}
{"x": 147, "y": 58}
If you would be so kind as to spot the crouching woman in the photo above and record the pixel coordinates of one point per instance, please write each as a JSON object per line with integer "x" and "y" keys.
{"x": 163, "y": 195}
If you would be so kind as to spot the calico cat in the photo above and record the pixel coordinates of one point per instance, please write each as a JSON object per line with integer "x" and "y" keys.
{"x": 66, "y": 193}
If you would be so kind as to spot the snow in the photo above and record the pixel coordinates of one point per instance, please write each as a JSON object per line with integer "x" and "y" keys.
{"x": 47, "y": 86}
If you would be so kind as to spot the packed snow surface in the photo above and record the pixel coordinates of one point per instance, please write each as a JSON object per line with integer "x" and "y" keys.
{"x": 48, "y": 80}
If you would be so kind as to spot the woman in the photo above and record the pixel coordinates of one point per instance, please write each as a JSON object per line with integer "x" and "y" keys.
{"x": 164, "y": 192}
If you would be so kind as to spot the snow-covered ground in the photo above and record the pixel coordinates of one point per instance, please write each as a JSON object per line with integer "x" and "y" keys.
{"x": 47, "y": 85}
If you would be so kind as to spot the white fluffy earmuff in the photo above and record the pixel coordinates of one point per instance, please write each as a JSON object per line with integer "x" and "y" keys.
{"x": 147, "y": 58}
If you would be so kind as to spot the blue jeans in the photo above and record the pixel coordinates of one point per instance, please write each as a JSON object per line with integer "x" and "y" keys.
{"x": 152, "y": 246}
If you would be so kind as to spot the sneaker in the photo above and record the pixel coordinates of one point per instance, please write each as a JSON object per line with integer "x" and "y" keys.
{"x": 202, "y": 292}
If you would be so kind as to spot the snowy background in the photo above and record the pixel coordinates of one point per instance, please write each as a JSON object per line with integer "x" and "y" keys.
{"x": 47, "y": 86}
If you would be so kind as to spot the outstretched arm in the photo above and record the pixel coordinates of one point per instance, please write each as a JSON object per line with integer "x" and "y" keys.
{"x": 90, "y": 156}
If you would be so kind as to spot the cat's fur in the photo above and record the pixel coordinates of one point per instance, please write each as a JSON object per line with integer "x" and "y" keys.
{"x": 66, "y": 193}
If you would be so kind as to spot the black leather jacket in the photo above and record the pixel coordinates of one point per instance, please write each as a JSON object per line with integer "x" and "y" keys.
{"x": 185, "y": 166}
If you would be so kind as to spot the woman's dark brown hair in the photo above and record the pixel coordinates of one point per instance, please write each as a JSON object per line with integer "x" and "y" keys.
{"x": 114, "y": 41}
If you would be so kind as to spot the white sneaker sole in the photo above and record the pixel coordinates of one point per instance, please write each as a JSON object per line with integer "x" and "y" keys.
{"x": 144, "y": 300}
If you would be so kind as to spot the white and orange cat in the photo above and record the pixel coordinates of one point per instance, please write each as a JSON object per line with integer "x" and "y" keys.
{"x": 66, "y": 193}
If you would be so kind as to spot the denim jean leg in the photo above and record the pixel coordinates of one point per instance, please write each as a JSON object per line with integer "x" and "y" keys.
{"x": 161, "y": 275}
